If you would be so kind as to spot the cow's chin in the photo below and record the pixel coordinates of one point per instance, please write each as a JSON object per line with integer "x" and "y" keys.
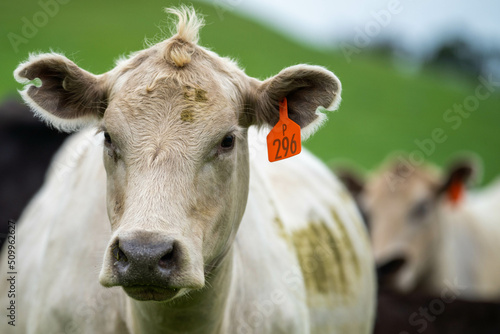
{"x": 152, "y": 293}
{"x": 406, "y": 279}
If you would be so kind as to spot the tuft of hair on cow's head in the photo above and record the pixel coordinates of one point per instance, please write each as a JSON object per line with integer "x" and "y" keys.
{"x": 181, "y": 46}
{"x": 173, "y": 120}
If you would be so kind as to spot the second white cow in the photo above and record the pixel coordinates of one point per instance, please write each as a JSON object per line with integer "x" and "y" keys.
{"x": 428, "y": 233}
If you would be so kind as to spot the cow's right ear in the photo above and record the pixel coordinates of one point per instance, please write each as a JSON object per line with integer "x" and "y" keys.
{"x": 455, "y": 182}
{"x": 68, "y": 97}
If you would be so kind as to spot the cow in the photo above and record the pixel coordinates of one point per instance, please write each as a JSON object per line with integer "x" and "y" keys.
{"x": 429, "y": 233}
{"x": 163, "y": 215}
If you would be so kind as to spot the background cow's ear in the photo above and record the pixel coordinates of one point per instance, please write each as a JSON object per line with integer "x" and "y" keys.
{"x": 306, "y": 88}
{"x": 68, "y": 96}
{"x": 456, "y": 179}
{"x": 351, "y": 180}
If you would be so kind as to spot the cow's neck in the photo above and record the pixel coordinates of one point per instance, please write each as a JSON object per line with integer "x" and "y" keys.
{"x": 198, "y": 312}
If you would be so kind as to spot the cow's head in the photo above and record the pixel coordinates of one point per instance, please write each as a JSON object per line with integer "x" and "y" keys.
{"x": 403, "y": 206}
{"x": 173, "y": 120}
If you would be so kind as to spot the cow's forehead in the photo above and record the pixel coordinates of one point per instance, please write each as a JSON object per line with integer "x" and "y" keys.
{"x": 415, "y": 185}
{"x": 174, "y": 96}
{"x": 149, "y": 90}
{"x": 165, "y": 98}
{"x": 159, "y": 125}
{"x": 155, "y": 118}
{"x": 154, "y": 66}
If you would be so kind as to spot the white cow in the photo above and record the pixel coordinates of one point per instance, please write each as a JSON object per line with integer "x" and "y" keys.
{"x": 196, "y": 231}
{"x": 430, "y": 234}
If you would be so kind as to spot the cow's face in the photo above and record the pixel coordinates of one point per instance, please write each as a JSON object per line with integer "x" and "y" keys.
{"x": 173, "y": 120}
{"x": 175, "y": 152}
{"x": 402, "y": 218}
{"x": 404, "y": 208}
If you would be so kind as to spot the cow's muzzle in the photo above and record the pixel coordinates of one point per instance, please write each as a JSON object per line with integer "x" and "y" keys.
{"x": 150, "y": 266}
{"x": 387, "y": 271}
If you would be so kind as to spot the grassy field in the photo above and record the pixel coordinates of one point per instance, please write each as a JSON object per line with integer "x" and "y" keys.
{"x": 383, "y": 109}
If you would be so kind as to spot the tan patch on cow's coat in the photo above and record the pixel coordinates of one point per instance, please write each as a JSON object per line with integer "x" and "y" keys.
{"x": 327, "y": 258}
{"x": 321, "y": 260}
{"x": 346, "y": 240}
{"x": 186, "y": 90}
{"x": 200, "y": 95}
{"x": 194, "y": 98}
{"x": 194, "y": 94}
{"x": 187, "y": 115}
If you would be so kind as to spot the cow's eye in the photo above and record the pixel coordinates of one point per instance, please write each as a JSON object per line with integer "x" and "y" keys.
{"x": 107, "y": 139}
{"x": 228, "y": 142}
{"x": 108, "y": 143}
{"x": 421, "y": 210}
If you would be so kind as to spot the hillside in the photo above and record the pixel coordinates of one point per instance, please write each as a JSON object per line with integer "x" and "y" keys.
{"x": 383, "y": 109}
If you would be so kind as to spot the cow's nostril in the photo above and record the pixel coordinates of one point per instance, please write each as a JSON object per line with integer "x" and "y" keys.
{"x": 390, "y": 267}
{"x": 118, "y": 254}
{"x": 167, "y": 259}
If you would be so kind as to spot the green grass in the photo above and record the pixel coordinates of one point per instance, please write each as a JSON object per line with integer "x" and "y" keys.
{"x": 383, "y": 109}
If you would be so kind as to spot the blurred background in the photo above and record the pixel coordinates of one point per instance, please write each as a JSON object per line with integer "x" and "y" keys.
{"x": 408, "y": 69}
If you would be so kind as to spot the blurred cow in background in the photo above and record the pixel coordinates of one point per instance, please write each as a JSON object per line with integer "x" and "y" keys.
{"x": 430, "y": 235}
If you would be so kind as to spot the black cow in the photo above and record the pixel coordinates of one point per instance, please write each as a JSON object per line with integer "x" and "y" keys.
{"x": 26, "y": 148}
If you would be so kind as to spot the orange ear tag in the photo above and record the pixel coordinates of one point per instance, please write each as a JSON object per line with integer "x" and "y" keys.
{"x": 284, "y": 139}
{"x": 456, "y": 191}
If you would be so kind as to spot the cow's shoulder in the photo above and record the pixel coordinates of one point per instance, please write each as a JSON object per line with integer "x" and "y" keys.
{"x": 326, "y": 242}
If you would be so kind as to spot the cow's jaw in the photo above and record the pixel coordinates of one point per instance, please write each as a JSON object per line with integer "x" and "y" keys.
{"x": 192, "y": 311}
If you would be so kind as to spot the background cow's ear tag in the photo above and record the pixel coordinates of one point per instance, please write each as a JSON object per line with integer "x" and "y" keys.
{"x": 284, "y": 139}
{"x": 456, "y": 191}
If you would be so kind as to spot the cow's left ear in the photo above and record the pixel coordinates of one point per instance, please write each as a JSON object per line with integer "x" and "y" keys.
{"x": 455, "y": 181}
{"x": 305, "y": 87}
